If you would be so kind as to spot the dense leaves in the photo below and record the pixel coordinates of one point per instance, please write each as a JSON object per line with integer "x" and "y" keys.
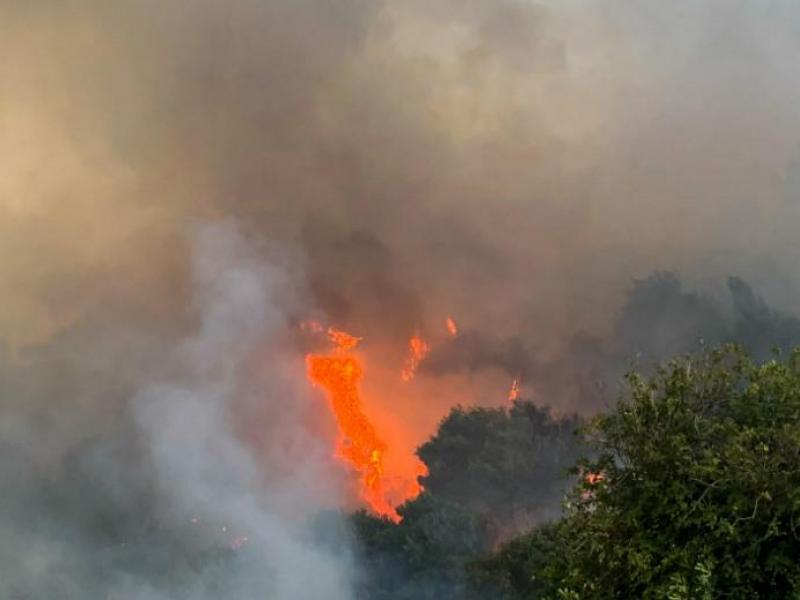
{"x": 424, "y": 556}
{"x": 694, "y": 493}
{"x": 493, "y": 472}
{"x": 506, "y": 465}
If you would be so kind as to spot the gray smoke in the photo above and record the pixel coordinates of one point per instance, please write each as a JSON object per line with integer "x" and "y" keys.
{"x": 175, "y": 504}
{"x": 512, "y": 163}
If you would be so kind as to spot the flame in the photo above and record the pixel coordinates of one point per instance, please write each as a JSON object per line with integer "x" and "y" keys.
{"x": 594, "y": 478}
{"x": 359, "y": 445}
{"x": 451, "y": 327}
{"x": 342, "y": 340}
{"x": 513, "y": 393}
{"x": 417, "y": 350}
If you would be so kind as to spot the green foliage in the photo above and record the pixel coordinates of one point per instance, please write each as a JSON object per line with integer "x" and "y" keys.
{"x": 699, "y": 495}
{"x": 515, "y": 569}
{"x": 490, "y": 470}
{"x": 423, "y": 556}
{"x": 508, "y": 465}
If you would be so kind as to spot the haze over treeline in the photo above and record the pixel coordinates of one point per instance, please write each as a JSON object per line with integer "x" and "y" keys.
{"x": 573, "y": 182}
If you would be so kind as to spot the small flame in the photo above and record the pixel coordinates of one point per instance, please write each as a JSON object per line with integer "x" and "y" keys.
{"x": 513, "y": 393}
{"x": 452, "y": 329}
{"x": 594, "y": 478}
{"x": 343, "y": 340}
{"x": 417, "y": 350}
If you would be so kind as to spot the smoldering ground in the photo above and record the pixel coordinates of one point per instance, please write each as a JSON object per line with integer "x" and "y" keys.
{"x": 512, "y": 164}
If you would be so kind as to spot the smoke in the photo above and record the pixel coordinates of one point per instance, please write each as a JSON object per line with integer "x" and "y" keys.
{"x": 174, "y": 503}
{"x": 503, "y": 161}
{"x": 512, "y": 164}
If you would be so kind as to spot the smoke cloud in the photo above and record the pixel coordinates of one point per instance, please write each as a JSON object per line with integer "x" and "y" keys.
{"x": 503, "y": 161}
{"x": 172, "y": 502}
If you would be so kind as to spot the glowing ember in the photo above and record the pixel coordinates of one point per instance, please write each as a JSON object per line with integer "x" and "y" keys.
{"x": 451, "y": 327}
{"x": 513, "y": 393}
{"x": 360, "y": 444}
{"x": 594, "y": 478}
{"x": 417, "y": 350}
{"x": 342, "y": 340}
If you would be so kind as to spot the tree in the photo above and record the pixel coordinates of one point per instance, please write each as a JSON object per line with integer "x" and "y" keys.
{"x": 694, "y": 492}
{"x": 508, "y": 465}
{"x": 492, "y": 473}
{"x": 424, "y": 556}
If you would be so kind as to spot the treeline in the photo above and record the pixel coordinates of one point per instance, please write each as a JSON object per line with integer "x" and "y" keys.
{"x": 683, "y": 488}
{"x": 689, "y": 487}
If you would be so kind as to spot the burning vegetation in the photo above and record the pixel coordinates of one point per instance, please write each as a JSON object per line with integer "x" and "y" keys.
{"x": 418, "y": 349}
{"x": 452, "y": 328}
{"x": 359, "y": 445}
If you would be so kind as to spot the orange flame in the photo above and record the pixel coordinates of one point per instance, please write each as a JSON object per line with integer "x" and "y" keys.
{"x": 513, "y": 393}
{"x": 592, "y": 481}
{"x": 451, "y": 327}
{"x": 594, "y": 478}
{"x": 342, "y": 340}
{"x": 359, "y": 444}
{"x": 417, "y": 350}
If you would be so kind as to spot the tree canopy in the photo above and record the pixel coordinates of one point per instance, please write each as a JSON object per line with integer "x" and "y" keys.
{"x": 693, "y": 492}
{"x": 492, "y": 473}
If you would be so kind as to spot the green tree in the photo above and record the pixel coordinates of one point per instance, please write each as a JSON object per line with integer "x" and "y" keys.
{"x": 492, "y": 472}
{"x": 508, "y": 465}
{"x": 422, "y": 557}
{"x": 694, "y": 492}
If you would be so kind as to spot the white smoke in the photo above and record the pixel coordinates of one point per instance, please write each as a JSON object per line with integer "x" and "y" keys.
{"x": 212, "y": 483}
{"x": 202, "y": 468}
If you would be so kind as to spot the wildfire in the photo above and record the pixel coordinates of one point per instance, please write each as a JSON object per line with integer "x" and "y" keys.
{"x": 417, "y": 350}
{"x": 452, "y": 329}
{"x": 513, "y": 393}
{"x": 359, "y": 444}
